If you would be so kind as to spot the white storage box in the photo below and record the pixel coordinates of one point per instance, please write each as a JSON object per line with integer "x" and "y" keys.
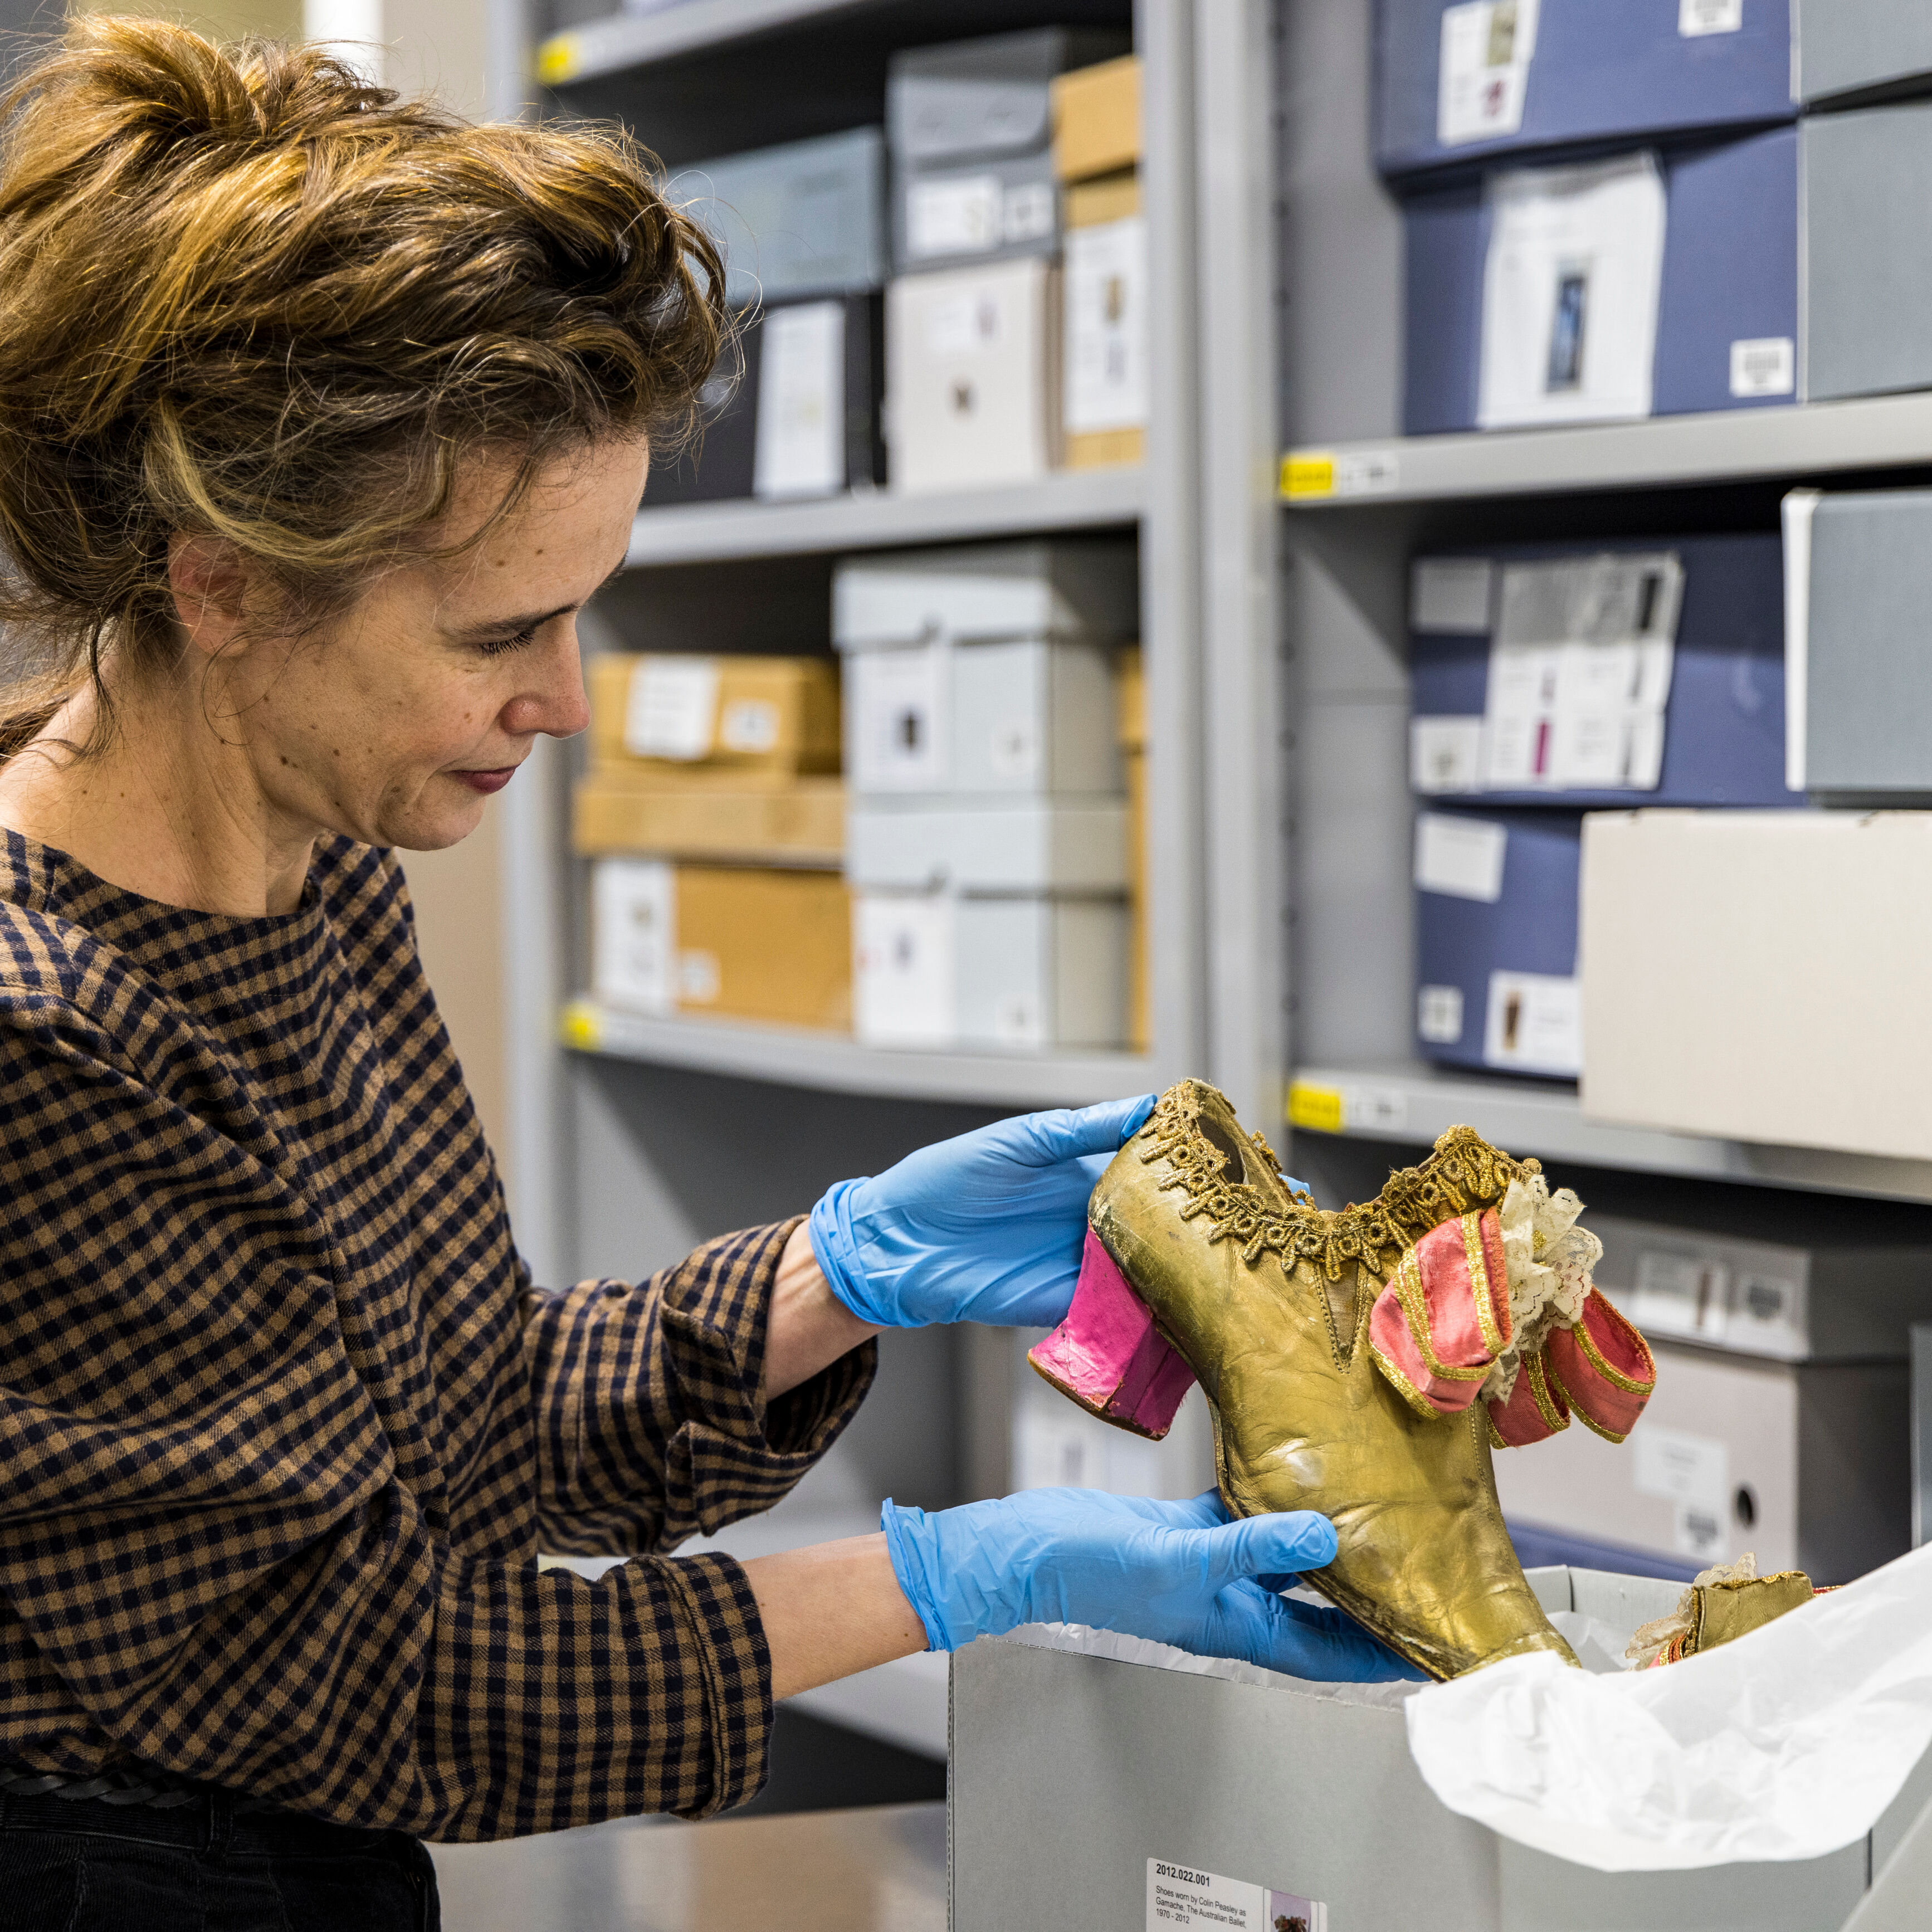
{"x": 1075, "y": 1777}
{"x": 1028, "y": 717}
{"x": 987, "y": 846}
{"x": 1809, "y": 1464}
{"x": 941, "y": 970}
{"x": 1760, "y": 976}
{"x": 972, "y": 376}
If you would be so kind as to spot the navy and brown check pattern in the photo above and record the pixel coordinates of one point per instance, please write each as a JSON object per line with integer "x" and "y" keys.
{"x": 284, "y": 1424}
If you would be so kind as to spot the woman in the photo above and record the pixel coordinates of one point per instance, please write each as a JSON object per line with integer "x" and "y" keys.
{"x": 321, "y": 417}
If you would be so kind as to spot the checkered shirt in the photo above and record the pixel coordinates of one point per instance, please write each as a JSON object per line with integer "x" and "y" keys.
{"x": 284, "y": 1423}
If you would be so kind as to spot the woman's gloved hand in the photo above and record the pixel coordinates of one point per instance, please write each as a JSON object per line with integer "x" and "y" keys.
{"x": 986, "y": 1228}
{"x": 1181, "y": 1573}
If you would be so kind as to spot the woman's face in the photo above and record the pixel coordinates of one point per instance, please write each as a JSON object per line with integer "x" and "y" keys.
{"x": 394, "y": 722}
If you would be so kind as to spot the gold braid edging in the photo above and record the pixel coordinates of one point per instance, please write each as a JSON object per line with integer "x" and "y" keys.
{"x": 1465, "y": 1173}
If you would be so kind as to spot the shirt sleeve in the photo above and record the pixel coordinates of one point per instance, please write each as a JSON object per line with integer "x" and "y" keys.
{"x": 221, "y": 1553}
{"x": 651, "y": 1426}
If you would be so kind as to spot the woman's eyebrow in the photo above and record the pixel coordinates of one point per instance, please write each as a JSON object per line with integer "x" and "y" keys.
{"x": 529, "y": 620}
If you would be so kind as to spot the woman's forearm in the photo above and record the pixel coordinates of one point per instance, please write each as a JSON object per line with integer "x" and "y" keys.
{"x": 808, "y": 1328}
{"x": 830, "y": 1609}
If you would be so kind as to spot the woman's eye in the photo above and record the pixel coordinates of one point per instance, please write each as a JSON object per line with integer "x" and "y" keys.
{"x": 497, "y": 647}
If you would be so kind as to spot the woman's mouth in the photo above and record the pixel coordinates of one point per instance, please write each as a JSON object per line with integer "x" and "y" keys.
{"x": 487, "y": 782}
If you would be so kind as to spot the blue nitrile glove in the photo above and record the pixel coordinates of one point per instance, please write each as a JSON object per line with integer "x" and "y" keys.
{"x": 1181, "y": 1573}
{"x": 986, "y": 1228}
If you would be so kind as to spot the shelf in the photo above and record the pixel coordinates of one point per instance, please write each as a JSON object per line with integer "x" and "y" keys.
{"x": 1073, "y": 500}
{"x": 1413, "y": 1104}
{"x": 1813, "y": 439}
{"x": 793, "y": 1057}
{"x": 623, "y": 41}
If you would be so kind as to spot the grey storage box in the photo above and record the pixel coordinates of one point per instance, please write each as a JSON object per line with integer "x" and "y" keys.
{"x": 1858, "y": 579}
{"x": 1866, "y": 250}
{"x": 1070, "y": 587}
{"x": 1810, "y": 1283}
{"x": 1807, "y": 1464}
{"x": 990, "y": 845}
{"x": 971, "y": 130}
{"x": 1849, "y": 46}
{"x": 1074, "y": 1776}
{"x": 1019, "y": 971}
{"x": 805, "y": 218}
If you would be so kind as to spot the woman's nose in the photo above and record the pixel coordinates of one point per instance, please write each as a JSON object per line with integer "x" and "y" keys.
{"x": 554, "y": 703}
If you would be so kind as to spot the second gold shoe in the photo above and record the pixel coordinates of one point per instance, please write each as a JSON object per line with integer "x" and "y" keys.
{"x": 1361, "y": 1363}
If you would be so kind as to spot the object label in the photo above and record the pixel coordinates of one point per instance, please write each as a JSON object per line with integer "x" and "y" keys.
{"x": 1487, "y": 46}
{"x": 1693, "y": 1473}
{"x": 670, "y": 708}
{"x": 960, "y": 215}
{"x": 1533, "y": 1024}
{"x": 1180, "y": 1896}
{"x": 1463, "y": 857}
{"x": 1695, "y": 18}
{"x": 1764, "y": 365}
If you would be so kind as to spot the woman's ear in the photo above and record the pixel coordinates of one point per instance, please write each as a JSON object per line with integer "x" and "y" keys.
{"x": 209, "y": 583}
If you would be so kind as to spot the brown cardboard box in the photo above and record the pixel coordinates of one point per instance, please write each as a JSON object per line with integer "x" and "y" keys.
{"x": 703, "y": 813}
{"x": 1132, "y": 700}
{"x": 1096, "y": 119}
{"x": 766, "y": 714}
{"x": 738, "y": 942}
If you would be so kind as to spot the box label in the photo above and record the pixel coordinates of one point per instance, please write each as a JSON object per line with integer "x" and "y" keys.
{"x": 1695, "y": 18}
{"x": 800, "y": 446}
{"x": 903, "y": 952}
{"x": 634, "y": 909}
{"x": 898, "y": 730}
{"x": 1439, "y": 1015}
{"x": 961, "y": 215}
{"x": 1486, "y": 52}
{"x": 1461, "y": 857}
{"x": 1106, "y": 361}
{"x": 670, "y": 707}
{"x": 749, "y": 725}
{"x": 1764, "y": 365}
{"x": 1030, "y": 210}
{"x": 1533, "y": 1024}
{"x": 1579, "y": 674}
{"x": 1693, "y": 1473}
{"x": 1180, "y": 1896}
{"x": 1445, "y": 755}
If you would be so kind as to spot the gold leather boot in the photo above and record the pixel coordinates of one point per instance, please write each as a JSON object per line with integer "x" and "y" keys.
{"x": 1268, "y": 1299}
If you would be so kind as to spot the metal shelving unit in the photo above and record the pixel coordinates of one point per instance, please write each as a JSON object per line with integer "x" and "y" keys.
{"x": 1356, "y": 498}
{"x": 720, "y": 532}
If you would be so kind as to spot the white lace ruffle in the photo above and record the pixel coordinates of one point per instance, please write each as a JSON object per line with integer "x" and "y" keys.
{"x": 1548, "y": 1259}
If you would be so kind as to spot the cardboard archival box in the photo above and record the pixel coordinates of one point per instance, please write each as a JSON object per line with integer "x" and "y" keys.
{"x": 1096, "y": 119}
{"x": 1759, "y": 976}
{"x": 1076, "y": 1777}
{"x": 744, "y": 943}
{"x": 770, "y": 817}
{"x": 669, "y": 712}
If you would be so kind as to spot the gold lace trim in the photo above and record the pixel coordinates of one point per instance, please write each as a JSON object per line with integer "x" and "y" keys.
{"x": 1464, "y": 1173}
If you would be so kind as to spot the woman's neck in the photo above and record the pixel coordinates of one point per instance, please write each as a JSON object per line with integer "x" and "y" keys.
{"x": 167, "y": 807}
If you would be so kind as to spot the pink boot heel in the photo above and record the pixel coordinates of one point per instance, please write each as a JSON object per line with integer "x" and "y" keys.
{"x": 1108, "y": 1355}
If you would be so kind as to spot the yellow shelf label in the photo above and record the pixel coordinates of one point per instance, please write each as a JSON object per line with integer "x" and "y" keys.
{"x": 1308, "y": 472}
{"x": 582, "y": 1025}
{"x": 1317, "y": 1109}
{"x": 559, "y": 58}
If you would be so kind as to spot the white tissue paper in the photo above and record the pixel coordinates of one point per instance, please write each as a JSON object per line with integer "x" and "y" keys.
{"x": 1785, "y": 1744}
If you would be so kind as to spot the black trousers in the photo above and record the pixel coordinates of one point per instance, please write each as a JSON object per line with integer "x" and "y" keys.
{"x": 78, "y": 1865}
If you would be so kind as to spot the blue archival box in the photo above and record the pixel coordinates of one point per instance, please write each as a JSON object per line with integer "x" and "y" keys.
{"x": 1602, "y": 70}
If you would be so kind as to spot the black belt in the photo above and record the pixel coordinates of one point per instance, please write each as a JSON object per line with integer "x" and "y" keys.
{"x": 132, "y": 1784}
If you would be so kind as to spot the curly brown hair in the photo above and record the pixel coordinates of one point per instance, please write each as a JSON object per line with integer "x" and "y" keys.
{"x": 245, "y": 294}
